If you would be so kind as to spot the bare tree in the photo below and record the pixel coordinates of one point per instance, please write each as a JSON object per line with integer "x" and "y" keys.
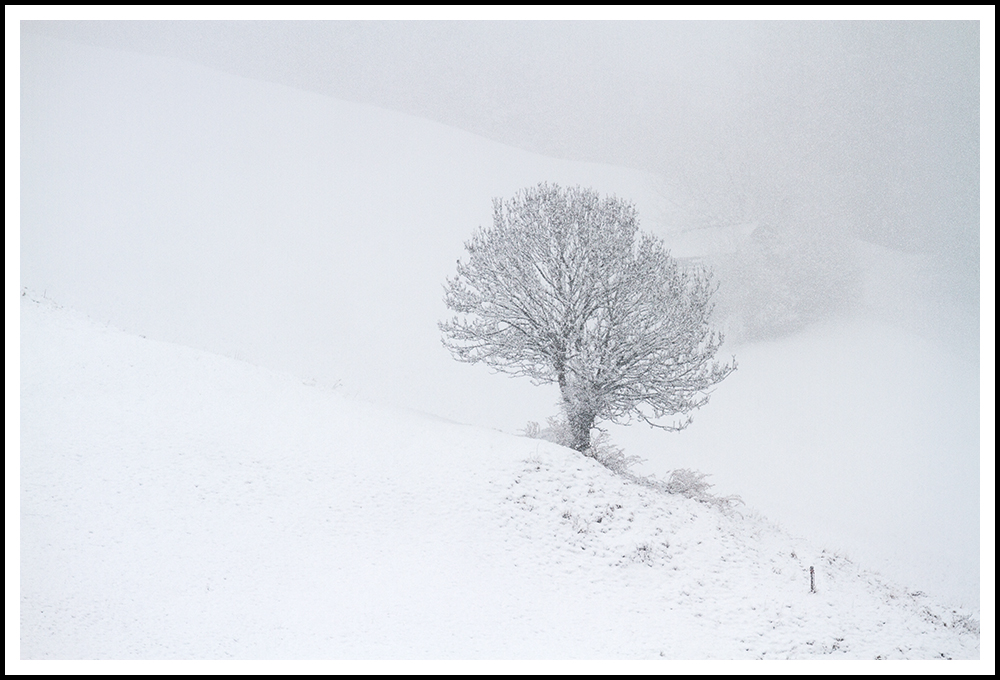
{"x": 564, "y": 288}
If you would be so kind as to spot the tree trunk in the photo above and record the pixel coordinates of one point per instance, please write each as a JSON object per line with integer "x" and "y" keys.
{"x": 580, "y": 419}
{"x": 580, "y": 424}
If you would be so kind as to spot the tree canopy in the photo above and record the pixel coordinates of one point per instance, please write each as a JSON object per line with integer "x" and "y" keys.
{"x": 565, "y": 288}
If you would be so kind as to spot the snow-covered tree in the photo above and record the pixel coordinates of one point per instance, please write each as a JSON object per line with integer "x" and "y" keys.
{"x": 564, "y": 288}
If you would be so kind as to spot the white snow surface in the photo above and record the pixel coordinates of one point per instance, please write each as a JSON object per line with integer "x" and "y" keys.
{"x": 177, "y": 504}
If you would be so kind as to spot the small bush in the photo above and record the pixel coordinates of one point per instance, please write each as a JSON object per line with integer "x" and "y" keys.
{"x": 532, "y": 430}
{"x": 691, "y": 484}
{"x": 557, "y": 431}
{"x": 611, "y": 456}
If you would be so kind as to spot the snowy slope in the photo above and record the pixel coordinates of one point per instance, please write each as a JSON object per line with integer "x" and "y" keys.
{"x": 180, "y": 504}
{"x": 856, "y": 434}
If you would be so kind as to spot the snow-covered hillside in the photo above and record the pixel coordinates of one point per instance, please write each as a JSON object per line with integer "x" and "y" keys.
{"x": 180, "y": 504}
{"x": 854, "y": 433}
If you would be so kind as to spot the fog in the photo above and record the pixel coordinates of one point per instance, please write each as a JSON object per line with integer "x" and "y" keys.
{"x": 814, "y": 135}
{"x": 827, "y": 172}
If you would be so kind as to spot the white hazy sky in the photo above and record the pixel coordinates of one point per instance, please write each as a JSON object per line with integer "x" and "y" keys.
{"x": 827, "y": 129}
{"x": 894, "y": 104}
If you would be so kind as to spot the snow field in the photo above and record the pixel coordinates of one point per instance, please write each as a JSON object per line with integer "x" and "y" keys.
{"x": 716, "y": 576}
{"x": 178, "y": 504}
